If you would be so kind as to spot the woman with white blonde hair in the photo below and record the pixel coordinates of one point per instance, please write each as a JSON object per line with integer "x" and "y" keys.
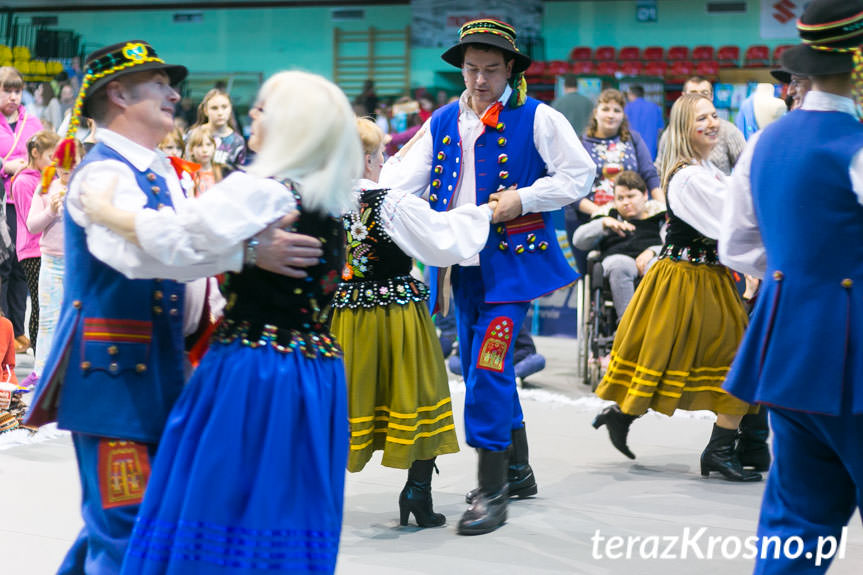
{"x": 677, "y": 338}
{"x": 250, "y": 472}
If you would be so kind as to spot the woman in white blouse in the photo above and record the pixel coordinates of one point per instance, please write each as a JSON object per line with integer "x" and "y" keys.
{"x": 676, "y": 341}
{"x": 398, "y": 389}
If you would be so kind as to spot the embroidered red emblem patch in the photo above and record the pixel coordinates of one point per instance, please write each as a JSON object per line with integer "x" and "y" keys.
{"x": 124, "y": 469}
{"x": 495, "y": 344}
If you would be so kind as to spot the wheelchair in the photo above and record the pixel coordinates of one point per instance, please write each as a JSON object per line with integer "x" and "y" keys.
{"x": 598, "y": 320}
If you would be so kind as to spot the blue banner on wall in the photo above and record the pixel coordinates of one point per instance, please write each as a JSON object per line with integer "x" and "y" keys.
{"x": 556, "y": 314}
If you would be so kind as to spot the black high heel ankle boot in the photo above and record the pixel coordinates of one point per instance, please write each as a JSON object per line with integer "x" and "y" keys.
{"x": 416, "y": 496}
{"x": 720, "y": 456}
{"x": 617, "y": 424}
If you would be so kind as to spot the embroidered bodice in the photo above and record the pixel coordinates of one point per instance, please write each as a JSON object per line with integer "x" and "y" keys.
{"x": 377, "y": 271}
{"x": 264, "y": 308}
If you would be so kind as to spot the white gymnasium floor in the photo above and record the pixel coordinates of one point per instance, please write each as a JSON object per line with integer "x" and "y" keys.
{"x": 585, "y": 485}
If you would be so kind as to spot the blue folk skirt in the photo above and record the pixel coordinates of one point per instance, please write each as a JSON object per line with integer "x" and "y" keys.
{"x": 249, "y": 475}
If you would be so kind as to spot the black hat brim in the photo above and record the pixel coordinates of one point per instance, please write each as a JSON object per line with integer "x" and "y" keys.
{"x": 783, "y": 76}
{"x": 455, "y": 55}
{"x": 176, "y": 74}
{"x": 805, "y": 61}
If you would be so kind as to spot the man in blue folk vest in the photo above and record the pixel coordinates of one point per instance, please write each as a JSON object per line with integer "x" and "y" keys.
{"x": 496, "y": 145}
{"x": 794, "y": 216}
{"x": 116, "y": 364}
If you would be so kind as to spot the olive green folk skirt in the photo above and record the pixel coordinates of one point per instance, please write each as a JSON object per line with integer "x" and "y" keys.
{"x": 398, "y": 390}
{"x": 676, "y": 341}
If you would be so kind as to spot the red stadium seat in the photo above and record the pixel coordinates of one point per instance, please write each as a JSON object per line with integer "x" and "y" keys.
{"x": 756, "y": 57}
{"x": 777, "y": 52}
{"x": 728, "y": 56}
{"x": 631, "y": 68}
{"x": 707, "y": 68}
{"x": 557, "y": 67}
{"x": 654, "y": 53}
{"x": 678, "y": 53}
{"x": 629, "y": 53}
{"x": 607, "y": 68}
{"x": 536, "y": 68}
{"x": 680, "y": 68}
{"x": 604, "y": 53}
{"x": 702, "y": 53}
{"x": 583, "y": 68}
{"x": 655, "y": 68}
{"x": 581, "y": 53}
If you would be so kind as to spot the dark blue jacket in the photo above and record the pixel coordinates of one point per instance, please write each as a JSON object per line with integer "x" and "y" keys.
{"x": 804, "y": 346}
{"x": 116, "y": 362}
{"x": 522, "y": 259}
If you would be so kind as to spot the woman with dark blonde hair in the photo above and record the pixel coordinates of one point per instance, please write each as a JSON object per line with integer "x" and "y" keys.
{"x": 677, "y": 338}
{"x": 17, "y": 126}
{"x": 614, "y": 148}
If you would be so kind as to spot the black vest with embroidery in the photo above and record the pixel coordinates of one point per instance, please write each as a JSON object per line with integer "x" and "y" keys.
{"x": 377, "y": 271}
{"x": 683, "y": 242}
{"x": 264, "y": 308}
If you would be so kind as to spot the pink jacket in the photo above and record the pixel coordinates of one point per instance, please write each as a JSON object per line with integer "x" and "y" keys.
{"x": 23, "y": 187}
{"x": 13, "y": 145}
{"x": 42, "y": 221}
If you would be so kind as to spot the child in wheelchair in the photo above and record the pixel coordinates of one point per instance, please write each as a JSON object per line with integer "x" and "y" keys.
{"x": 628, "y": 233}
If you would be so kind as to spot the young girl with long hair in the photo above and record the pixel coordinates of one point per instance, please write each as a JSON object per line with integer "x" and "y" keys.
{"x": 677, "y": 338}
{"x": 46, "y": 219}
{"x": 200, "y": 149}
{"x": 217, "y": 113}
{"x": 268, "y": 399}
{"x": 40, "y": 148}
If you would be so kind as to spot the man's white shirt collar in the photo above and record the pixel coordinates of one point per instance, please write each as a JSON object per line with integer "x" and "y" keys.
{"x": 504, "y": 98}
{"x": 817, "y": 101}
{"x": 138, "y": 155}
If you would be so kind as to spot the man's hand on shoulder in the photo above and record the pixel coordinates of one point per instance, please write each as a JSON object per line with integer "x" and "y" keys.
{"x": 286, "y": 253}
{"x": 507, "y": 204}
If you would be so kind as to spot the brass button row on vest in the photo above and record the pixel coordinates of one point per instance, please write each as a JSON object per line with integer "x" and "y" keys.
{"x": 158, "y": 296}
{"x": 114, "y": 367}
{"x": 847, "y": 283}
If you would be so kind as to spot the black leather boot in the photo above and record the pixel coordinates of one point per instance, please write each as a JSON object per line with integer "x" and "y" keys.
{"x": 752, "y": 449}
{"x": 487, "y": 512}
{"x": 416, "y": 496}
{"x": 720, "y": 456}
{"x": 617, "y": 424}
{"x": 519, "y": 474}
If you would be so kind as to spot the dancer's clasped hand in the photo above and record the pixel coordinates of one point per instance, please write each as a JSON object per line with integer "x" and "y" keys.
{"x": 287, "y": 253}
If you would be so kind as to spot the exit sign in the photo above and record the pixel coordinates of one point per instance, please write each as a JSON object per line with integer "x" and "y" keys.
{"x": 645, "y": 11}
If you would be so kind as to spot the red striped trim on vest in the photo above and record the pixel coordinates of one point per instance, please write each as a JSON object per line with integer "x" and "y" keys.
{"x": 117, "y": 330}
